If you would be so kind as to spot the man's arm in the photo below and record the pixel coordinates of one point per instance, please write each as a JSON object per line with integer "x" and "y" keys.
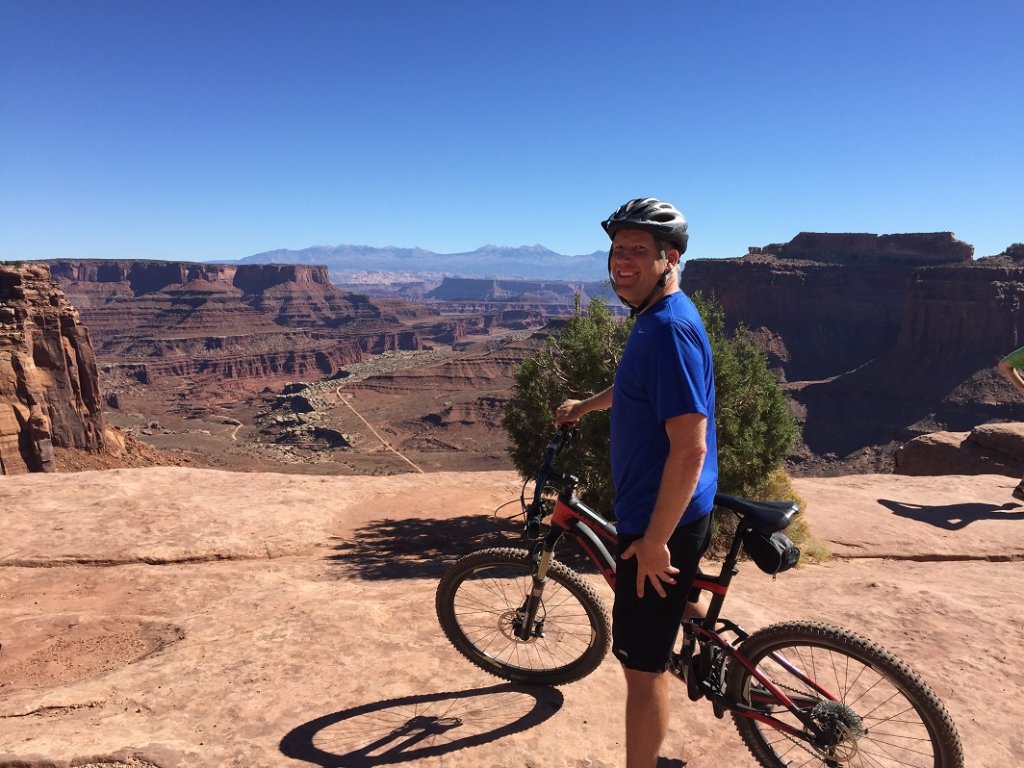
{"x": 687, "y": 449}
{"x": 571, "y": 411}
{"x": 1011, "y": 374}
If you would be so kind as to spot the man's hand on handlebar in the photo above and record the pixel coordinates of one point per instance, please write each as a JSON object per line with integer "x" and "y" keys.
{"x": 571, "y": 411}
{"x": 568, "y": 413}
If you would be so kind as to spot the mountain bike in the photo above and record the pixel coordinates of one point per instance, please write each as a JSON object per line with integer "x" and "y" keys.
{"x": 800, "y": 693}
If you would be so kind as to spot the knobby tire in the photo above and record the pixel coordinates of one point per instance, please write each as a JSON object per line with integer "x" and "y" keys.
{"x": 479, "y": 600}
{"x": 887, "y": 716}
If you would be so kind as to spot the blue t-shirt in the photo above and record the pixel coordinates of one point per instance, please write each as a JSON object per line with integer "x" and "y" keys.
{"x": 665, "y": 371}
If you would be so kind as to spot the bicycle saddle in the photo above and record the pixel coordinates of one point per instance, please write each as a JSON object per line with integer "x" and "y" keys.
{"x": 765, "y": 516}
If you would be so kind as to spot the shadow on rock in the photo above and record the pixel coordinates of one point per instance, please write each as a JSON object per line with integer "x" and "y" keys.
{"x": 423, "y": 548}
{"x": 420, "y": 548}
{"x": 416, "y": 727}
{"x": 953, "y": 517}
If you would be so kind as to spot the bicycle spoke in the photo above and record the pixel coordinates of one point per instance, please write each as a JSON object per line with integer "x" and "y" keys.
{"x": 868, "y": 710}
{"x": 482, "y": 607}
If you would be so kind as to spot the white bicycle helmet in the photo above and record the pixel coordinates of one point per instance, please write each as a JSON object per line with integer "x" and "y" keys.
{"x": 662, "y": 220}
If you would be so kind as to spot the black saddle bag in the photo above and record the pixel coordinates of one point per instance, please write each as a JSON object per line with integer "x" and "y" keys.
{"x": 773, "y": 553}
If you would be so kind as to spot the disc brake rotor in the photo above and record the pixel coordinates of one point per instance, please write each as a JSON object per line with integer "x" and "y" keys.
{"x": 509, "y": 622}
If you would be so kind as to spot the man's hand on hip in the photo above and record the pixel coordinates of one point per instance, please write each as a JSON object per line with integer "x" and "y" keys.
{"x": 654, "y": 562}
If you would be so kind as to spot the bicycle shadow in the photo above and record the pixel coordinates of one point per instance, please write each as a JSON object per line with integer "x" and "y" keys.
{"x": 954, "y": 517}
{"x": 412, "y": 728}
{"x": 422, "y": 548}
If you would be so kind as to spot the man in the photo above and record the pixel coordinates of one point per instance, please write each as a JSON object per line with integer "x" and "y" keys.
{"x": 1010, "y": 367}
{"x": 663, "y": 455}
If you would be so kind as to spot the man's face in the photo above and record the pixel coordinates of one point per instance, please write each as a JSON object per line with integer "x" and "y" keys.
{"x": 636, "y": 264}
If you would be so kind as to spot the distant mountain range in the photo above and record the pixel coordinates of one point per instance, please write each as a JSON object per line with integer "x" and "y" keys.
{"x": 529, "y": 262}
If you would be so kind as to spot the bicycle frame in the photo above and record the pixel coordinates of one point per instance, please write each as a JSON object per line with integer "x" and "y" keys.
{"x": 594, "y": 533}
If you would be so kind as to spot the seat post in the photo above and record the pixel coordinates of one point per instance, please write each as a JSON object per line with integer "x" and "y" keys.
{"x": 724, "y": 579}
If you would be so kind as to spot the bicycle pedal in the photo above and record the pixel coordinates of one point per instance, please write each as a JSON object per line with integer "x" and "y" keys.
{"x": 678, "y": 668}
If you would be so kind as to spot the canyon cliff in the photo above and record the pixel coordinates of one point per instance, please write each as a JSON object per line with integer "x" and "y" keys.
{"x": 241, "y": 323}
{"x": 876, "y": 338}
{"x": 191, "y": 357}
{"x": 879, "y": 337}
{"x": 49, "y": 390}
{"x": 521, "y": 291}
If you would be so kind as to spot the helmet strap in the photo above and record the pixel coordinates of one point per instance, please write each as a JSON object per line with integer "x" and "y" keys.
{"x": 636, "y": 310}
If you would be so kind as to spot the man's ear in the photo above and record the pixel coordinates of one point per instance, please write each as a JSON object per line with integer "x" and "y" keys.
{"x": 672, "y": 255}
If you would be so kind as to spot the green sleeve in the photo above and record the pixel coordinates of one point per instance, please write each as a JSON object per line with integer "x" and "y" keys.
{"x": 1015, "y": 359}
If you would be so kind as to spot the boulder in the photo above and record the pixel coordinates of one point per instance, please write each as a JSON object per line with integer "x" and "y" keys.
{"x": 1006, "y": 439}
{"x": 988, "y": 449}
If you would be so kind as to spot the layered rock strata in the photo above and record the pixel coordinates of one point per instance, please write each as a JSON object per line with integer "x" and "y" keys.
{"x": 545, "y": 292}
{"x": 880, "y": 337}
{"x": 49, "y": 392}
{"x": 215, "y": 322}
{"x": 834, "y": 301}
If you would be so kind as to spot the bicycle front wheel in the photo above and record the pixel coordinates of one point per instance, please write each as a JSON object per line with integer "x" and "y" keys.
{"x": 873, "y": 710}
{"x": 481, "y": 604}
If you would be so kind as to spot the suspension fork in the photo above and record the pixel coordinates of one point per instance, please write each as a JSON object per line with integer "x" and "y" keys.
{"x": 541, "y": 556}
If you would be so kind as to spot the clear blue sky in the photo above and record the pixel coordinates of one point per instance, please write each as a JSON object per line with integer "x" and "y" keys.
{"x": 209, "y": 129}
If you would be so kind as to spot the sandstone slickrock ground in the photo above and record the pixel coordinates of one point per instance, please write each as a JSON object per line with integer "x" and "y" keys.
{"x": 181, "y": 617}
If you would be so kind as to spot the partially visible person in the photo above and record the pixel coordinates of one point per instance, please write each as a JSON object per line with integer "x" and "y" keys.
{"x": 663, "y": 455}
{"x": 1011, "y": 367}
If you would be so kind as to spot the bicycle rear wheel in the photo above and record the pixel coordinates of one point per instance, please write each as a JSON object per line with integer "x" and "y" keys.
{"x": 480, "y": 605}
{"x": 883, "y": 715}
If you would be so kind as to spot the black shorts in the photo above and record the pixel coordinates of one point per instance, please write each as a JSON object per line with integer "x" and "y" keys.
{"x": 644, "y": 629}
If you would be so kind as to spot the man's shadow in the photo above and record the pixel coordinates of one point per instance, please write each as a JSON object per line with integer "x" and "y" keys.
{"x": 953, "y": 517}
{"x": 416, "y": 727}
